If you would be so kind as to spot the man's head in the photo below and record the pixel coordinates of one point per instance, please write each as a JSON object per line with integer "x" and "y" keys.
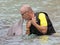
{"x": 26, "y": 12}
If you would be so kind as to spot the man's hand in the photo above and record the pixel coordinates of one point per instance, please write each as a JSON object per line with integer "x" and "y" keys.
{"x": 27, "y": 32}
{"x": 33, "y": 21}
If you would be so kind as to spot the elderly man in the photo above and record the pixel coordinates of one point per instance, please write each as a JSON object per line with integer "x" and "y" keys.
{"x": 37, "y": 23}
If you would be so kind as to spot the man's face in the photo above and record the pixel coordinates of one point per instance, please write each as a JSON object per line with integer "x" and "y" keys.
{"x": 26, "y": 15}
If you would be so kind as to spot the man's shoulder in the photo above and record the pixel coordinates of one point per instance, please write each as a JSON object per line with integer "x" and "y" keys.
{"x": 41, "y": 13}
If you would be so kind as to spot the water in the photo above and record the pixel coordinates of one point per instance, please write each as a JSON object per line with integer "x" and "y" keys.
{"x": 9, "y": 14}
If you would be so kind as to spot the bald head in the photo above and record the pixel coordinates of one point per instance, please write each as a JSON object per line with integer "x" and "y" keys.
{"x": 25, "y": 7}
{"x": 26, "y": 12}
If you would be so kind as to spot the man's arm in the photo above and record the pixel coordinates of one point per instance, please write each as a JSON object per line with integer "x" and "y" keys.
{"x": 28, "y": 24}
{"x": 43, "y": 23}
{"x": 28, "y": 31}
{"x": 42, "y": 29}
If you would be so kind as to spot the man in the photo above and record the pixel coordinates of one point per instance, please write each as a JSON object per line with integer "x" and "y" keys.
{"x": 37, "y": 23}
